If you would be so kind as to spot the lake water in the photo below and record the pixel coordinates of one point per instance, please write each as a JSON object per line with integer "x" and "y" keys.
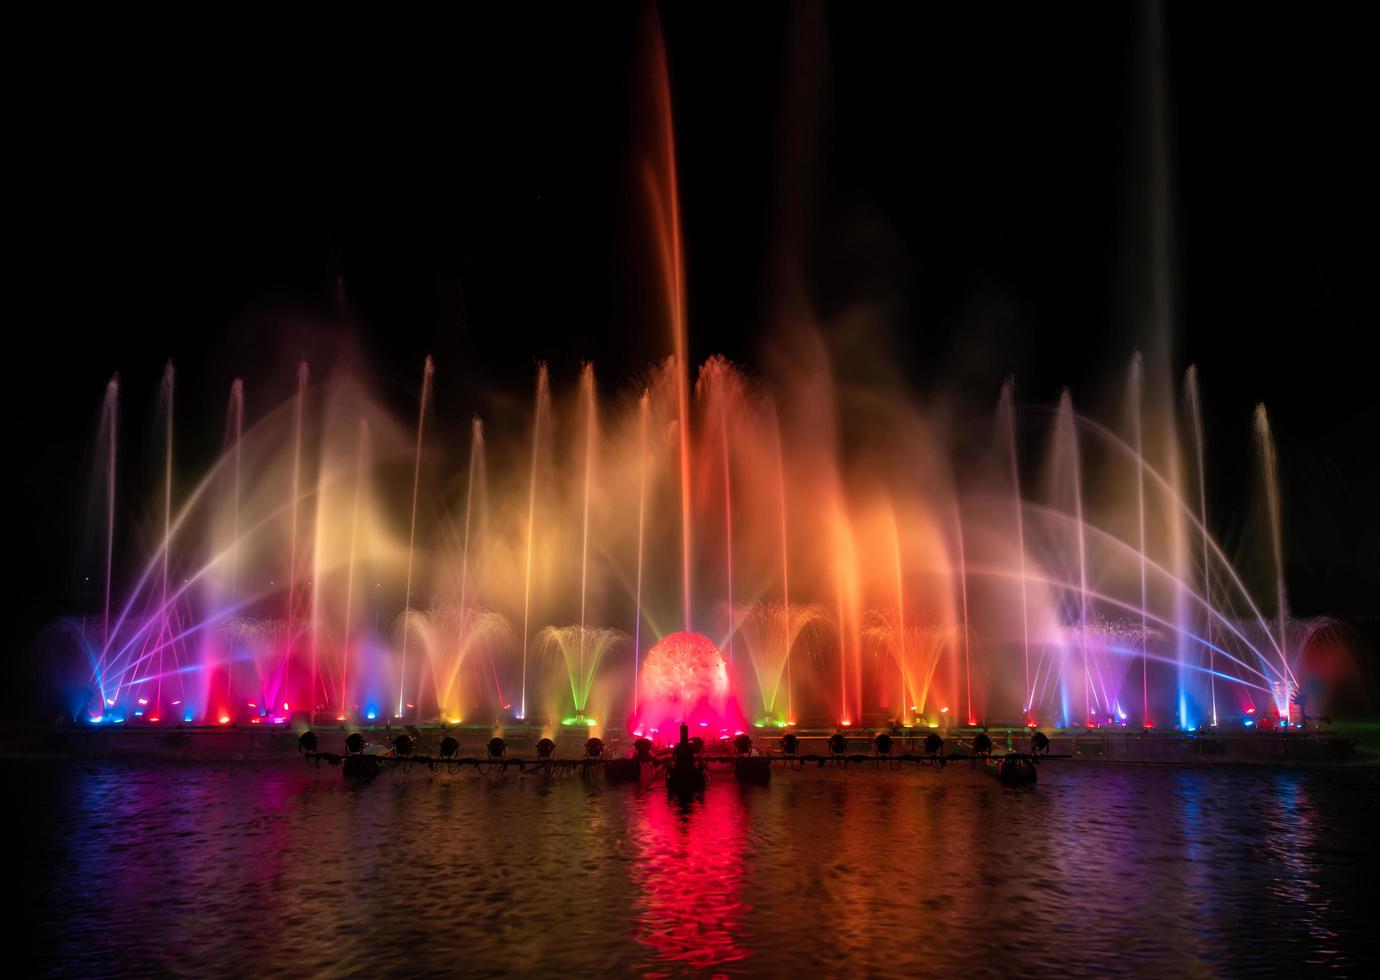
{"x": 278, "y": 870}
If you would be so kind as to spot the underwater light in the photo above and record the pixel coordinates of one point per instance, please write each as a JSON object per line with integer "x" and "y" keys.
{"x": 371, "y": 714}
{"x": 98, "y": 719}
{"x": 138, "y": 714}
{"x": 339, "y": 717}
{"x": 1250, "y": 710}
{"x": 225, "y": 719}
{"x": 187, "y": 718}
{"x": 1249, "y": 723}
{"x": 943, "y": 711}
{"x": 143, "y": 700}
{"x": 155, "y": 719}
{"x": 110, "y": 702}
{"x": 846, "y": 723}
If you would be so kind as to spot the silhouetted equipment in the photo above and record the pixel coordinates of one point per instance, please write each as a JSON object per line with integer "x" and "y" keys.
{"x": 883, "y": 743}
{"x": 307, "y": 742}
{"x": 594, "y": 748}
{"x": 789, "y": 743}
{"x": 546, "y": 749}
{"x": 686, "y": 775}
{"x": 1016, "y": 769}
{"x": 361, "y": 767}
{"x": 1039, "y": 743}
{"x": 497, "y": 747}
{"x": 742, "y": 744}
{"x": 697, "y": 744}
{"x": 838, "y": 744}
{"x": 402, "y": 745}
{"x": 982, "y": 745}
{"x": 355, "y": 743}
{"x": 449, "y": 746}
{"x": 934, "y": 745}
{"x": 642, "y": 749}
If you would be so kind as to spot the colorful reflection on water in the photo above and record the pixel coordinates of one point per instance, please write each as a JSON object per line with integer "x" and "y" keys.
{"x": 1100, "y": 869}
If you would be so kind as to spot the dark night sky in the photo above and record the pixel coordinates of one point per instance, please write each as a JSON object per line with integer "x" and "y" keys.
{"x": 477, "y": 188}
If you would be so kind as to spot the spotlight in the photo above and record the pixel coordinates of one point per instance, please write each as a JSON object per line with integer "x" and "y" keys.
{"x": 934, "y": 745}
{"x": 594, "y": 748}
{"x": 982, "y": 745}
{"x": 306, "y": 743}
{"x": 790, "y": 743}
{"x": 1039, "y": 743}
{"x": 355, "y": 743}
{"x": 402, "y": 745}
{"x": 883, "y": 743}
{"x": 742, "y": 744}
{"x": 838, "y": 745}
{"x": 449, "y": 746}
{"x": 497, "y": 747}
{"x": 546, "y": 749}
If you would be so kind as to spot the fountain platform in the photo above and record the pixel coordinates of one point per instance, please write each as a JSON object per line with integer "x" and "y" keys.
{"x": 248, "y": 743}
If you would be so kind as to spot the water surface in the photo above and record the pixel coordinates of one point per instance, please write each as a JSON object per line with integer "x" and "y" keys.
{"x": 276, "y": 870}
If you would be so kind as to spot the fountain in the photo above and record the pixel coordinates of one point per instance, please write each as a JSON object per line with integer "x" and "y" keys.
{"x": 709, "y": 546}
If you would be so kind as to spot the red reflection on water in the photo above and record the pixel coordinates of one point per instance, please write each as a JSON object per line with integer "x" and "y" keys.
{"x": 690, "y": 870}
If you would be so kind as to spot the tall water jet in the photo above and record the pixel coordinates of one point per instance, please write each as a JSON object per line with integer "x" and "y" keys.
{"x": 1269, "y": 465}
{"x": 476, "y": 469}
{"x": 1195, "y": 415}
{"x": 1007, "y": 408}
{"x": 361, "y": 462}
{"x": 1137, "y": 396}
{"x": 540, "y": 404}
{"x": 659, "y": 174}
{"x": 294, "y": 501}
{"x": 427, "y": 370}
{"x": 728, "y": 518}
{"x": 1068, "y": 426}
{"x": 643, "y": 414}
{"x": 591, "y": 409}
{"x": 900, "y": 618}
{"x": 234, "y": 433}
{"x": 967, "y": 629}
{"x": 785, "y": 556}
{"x": 166, "y": 401}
